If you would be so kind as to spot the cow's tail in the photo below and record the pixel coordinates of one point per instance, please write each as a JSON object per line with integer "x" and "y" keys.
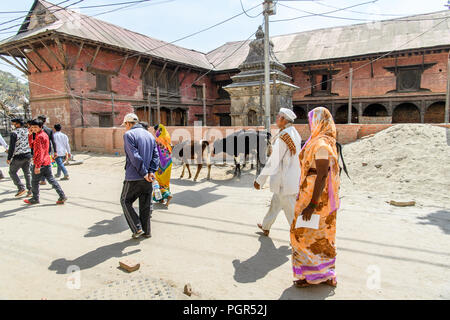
{"x": 340, "y": 155}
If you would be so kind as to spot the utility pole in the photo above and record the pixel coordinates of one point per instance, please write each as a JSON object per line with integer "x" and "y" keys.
{"x": 204, "y": 104}
{"x": 158, "y": 105}
{"x": 350, "y": 98}
{"x": 269, "y": 9}
{"x": 447, "y": 100}
{"x": 112, "y": 109}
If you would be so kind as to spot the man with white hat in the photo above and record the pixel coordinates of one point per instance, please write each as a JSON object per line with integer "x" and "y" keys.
{"x": 142, "y": 161}
{"x": 283, "y": 167}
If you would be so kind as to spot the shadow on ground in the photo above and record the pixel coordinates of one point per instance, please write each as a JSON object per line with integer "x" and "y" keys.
{"x": 113, "y": 226}
{"x": 440, "y": 218}
{"x": 265, "y": 260}
{"x": 195, "y": 199}
{"x": 317, "y": 292}
{"x": 95, "y": 257}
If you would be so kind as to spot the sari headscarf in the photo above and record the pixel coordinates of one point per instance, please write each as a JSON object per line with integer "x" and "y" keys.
{"x": 165, "y": 159}
{"x": 314, "y": 250}
{"x": 323, "y": 135}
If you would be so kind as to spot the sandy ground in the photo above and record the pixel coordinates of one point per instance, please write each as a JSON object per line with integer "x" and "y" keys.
{"x": 208, "y": 237}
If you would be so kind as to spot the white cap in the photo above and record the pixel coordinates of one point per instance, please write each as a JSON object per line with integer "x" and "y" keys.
{"x": 288, "y": 114}
{"x": 130, "y": 117}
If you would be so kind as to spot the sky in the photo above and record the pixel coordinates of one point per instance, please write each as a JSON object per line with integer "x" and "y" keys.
{"x": 169, "y": 20}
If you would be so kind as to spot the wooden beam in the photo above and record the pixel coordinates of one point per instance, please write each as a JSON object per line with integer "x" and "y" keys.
{"x": 20, "y": 63}
{"x": 146, "y": 67}
{"x": 162, "y": 70}
{"x": 134, "y": 66}
{"x": 18, "y": 68}
{"x": 123, "y": 63}
{"x": 52, "y": 54}
{"x": 40, "y": 57}
{"x": 29, "y": 59}
{"x": 94, "y": 56}
{"x": 185, "y": 75}
{"x": 174, "y": 73}
{"x": 61, "y": 52}
{"x": 78, "y": 55}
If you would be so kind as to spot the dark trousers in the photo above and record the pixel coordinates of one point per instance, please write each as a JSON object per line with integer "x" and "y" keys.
{"x": 46, "y": 173}
{"x": 133, "y": 190}
{"x": 14, "y": 167}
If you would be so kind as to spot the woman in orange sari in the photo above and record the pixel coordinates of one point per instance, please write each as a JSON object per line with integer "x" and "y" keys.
{"x": 314, "y": 250}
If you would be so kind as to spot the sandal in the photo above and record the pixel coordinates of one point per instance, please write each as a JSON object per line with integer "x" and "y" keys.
{"x": 331, "y": 283}
{"x": 301, "y": 284}
{"x": 266, "y": 232}
{"x": 168, "y": 201}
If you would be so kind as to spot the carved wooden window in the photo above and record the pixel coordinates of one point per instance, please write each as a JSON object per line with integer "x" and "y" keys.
{"x": 408, "y": 78}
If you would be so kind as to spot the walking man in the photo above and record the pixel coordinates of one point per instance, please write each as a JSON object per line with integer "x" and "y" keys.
{"x": 142, "y": 160}
{"x": 63, "y": 147}
{"x": 283, "y": 167}
{"x": 19, "y": 157}
{"x": 52, "y": 144}
{"x": 42, "y": 164}
{"x": 4, "y": 145}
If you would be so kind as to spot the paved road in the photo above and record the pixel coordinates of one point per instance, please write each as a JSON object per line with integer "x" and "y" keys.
{"x": 208, "y": 237}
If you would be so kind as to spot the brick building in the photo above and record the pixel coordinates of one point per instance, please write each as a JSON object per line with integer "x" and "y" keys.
{"x": 86, "y": 72}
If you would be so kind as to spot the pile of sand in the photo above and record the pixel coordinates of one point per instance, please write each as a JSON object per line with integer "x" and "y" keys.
{"x": 405, "y": 162}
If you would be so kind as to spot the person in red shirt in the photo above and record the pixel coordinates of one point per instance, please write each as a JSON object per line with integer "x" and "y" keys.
{"x": 42, "y": 164}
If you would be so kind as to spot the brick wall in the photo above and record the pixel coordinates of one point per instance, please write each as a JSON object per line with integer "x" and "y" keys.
{"x": 110, "y": 140}
{"x": 366, "y": 83}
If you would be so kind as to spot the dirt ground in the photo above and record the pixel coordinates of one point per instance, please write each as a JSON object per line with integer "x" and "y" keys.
{"x": 208, "y": 237}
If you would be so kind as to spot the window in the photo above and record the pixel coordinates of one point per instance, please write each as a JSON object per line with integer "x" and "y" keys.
{"x": 199, "y": 92}
{"x": 324, "y": 83}
{"x": 321, "y": 81}
{"x": 105, "y": 120}
{"x": 102, "y": 82}
{"x": 252, "y": 118}
{"x": 224, "y": 119}
{"x": 408, "y": 78}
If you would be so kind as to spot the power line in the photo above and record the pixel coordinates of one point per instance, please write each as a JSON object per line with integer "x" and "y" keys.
{"x": 246, "y": 11}
{"x": 311, "y": 14}
{"x": 130, "y": 4}
{"x": 28, "y": 19}
{"x": 193, "y": 34}
{"x": 21, "y": 17}
{"x": 360, "y": 12}
{"x": 381, "y": 56}
{"x": 325, "y": 15}
{"x": 75, "y": 97}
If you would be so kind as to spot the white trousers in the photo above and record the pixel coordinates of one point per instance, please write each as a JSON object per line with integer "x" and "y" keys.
{"x": 279, "y": 202}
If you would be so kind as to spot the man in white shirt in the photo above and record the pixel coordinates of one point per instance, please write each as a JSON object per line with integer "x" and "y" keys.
{"x": 63, "y": 149}
{"x": 4, "y": 145}
{"x": 283, "y": 167}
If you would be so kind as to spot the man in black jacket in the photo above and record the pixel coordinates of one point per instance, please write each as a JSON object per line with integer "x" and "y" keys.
{"x": 19, "y": 156}
{"x": 52, "y": 144}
